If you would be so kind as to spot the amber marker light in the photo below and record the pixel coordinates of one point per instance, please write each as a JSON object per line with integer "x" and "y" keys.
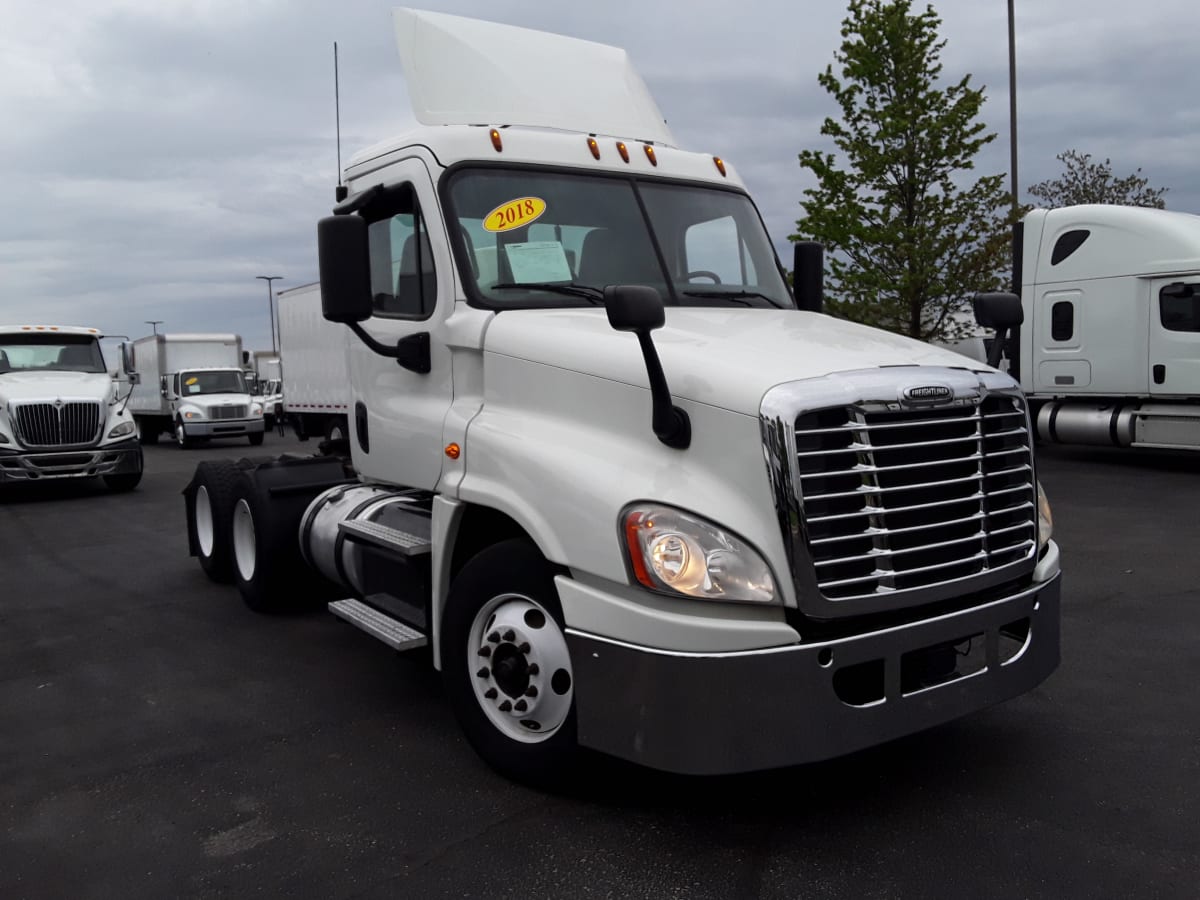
{"x": 594, "y": 147}
{"x": 720, "y": 163}
{"x": 632, "y": 524}
{"x": 453, "y": 451}
{"x": 496, "y": 142}
{"x": 650, "y": 155}
{"x": 623, "y": 150}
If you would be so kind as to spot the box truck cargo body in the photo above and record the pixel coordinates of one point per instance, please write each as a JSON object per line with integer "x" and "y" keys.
{"x": 316, "y": 380}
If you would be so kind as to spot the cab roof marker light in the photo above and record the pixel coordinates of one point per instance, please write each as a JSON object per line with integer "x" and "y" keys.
{"x": 594, "y": 147}
{"x": 720, "y": 163}
{"x": 650, "y": 155}
{"x": 496, "y": 142}
{"x": 623, "y": 150}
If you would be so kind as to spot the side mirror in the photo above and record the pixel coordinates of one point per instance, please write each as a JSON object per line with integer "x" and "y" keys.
{"x": 998, "y": 310}
{"x": 633, "y": 307}
{"x": 134, "y": 378}
{"x": 345, "y": 269}
{"x": 808, "y": 275}
{"x": 162, "y": 386}
{"x": 126, "y": 358}
{"x": 640, "y": 309}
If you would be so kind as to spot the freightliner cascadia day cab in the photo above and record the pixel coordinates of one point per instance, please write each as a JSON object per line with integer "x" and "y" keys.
{"x": 193, "y": 387}
{"x": 1107, "y": 326}
{"x": 316, "y": 381}
{"x": 628, "y": 493}
{"x": 62, "y": 412}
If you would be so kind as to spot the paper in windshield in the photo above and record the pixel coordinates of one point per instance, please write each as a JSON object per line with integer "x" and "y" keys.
{"x": 538, "y": 261}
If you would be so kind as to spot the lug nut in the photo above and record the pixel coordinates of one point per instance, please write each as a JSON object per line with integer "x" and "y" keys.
{"x": 524, "y": 647}
{"x": 533, "y": 669}
{"x": 505, "y": 706}
{"x": 485, "y": 650}
{"x": 531, "y": 691}
{"x": 510, "y": 635}
{"x": 490, "y": 693}
{"x": 520, "y": 706}
{"x": 494, "y": 637}
{"x": 484, "y": 672}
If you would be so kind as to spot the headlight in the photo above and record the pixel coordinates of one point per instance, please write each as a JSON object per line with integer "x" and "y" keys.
{"x": 256, "y": 409}
{"x": 192, "y": 415}
{"x": 673, "y": 551}
{"x": 1045, "y": 519}
{"x": 121, "y": 430}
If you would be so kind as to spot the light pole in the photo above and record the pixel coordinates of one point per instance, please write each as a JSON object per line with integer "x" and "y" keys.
{"x": 271, "y": 305}
{"x": 154, "y": 323}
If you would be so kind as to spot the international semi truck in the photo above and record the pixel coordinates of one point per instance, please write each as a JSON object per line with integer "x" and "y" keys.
{"x": 193, "y": 387}
{"x": 1104, "y": 336}
{"x": 63, "y": 413}
{"x": 316, "y": 379}
{"x": 629, "y": 492}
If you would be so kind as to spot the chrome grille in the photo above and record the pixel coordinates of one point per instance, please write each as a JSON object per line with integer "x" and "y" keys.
{"x": 899, "y": 500}
{"x": 227, "y": 412}
{"x": 68, "y": 424}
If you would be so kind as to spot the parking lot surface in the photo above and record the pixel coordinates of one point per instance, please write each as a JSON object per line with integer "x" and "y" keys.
{"x": 158, "y": 739}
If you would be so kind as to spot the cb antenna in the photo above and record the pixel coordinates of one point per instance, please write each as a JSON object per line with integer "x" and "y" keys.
{"x": 337, "y": 118}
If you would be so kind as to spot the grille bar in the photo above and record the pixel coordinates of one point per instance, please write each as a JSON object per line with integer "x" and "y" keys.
{"x": 916, "y": 423}
{"x": 913, "y": 529}
{"x": 227, "y": 412}
{"x": 74, "y": 423}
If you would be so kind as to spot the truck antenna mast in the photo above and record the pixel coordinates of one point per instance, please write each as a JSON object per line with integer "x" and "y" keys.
{"x": 337, "y": 118}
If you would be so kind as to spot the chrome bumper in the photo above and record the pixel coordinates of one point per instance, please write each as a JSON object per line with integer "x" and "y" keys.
{"x": 711, "y": 713}
{"x": 124, "y": 457}
{"x": 218, "y": 428}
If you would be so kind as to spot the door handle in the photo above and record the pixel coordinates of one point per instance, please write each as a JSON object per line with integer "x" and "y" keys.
{"x": 1160, "y": 374}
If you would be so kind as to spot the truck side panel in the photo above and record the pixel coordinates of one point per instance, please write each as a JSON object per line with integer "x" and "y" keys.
{"x": 316, "y": 378}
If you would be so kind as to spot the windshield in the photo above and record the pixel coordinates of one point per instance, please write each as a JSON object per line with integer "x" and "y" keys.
{"x": 228, "y": 382}
{"x": 536, "y": 238}
{"x": 42, "y": 352}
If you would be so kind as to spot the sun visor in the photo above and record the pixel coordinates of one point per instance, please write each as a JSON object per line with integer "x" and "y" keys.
{"x": 468, "y": 72}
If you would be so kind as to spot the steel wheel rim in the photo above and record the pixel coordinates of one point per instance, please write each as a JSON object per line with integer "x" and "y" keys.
{"x": 520, "y": 668}
{"x": 204, "y": 521}
{"x": 180, "y": 435}
{"x": 244, "y": 542}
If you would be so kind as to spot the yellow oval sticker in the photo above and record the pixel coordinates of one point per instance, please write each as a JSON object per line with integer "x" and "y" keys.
{"x": 191, "y": 381}
{"x": 514, "y": 214}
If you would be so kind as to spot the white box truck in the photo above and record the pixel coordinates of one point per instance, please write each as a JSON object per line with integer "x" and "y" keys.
{"x": 1105, "y": 335}
{"x": 62, "y": 411}
{"x": 316, "y": 380}
{"x": 193, "y": 386}
{"x": 265, "y": 383}
{"x": 631, "y": 492}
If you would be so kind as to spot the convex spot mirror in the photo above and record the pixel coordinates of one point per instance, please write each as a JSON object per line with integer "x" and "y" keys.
{"x": 634, "y": 307}
{"x": 345, "y": 269}
{"x": 998, "y": 310}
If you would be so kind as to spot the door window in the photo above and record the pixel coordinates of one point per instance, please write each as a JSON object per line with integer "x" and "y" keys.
{"x": 403, "y": 277}
{"x": 1062, "y": 320}
{"x": 1179, "y": 307}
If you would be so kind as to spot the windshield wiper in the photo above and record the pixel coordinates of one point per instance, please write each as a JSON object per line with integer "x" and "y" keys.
{"x": 594, "y": 294}
{"x": 733, "y": 295}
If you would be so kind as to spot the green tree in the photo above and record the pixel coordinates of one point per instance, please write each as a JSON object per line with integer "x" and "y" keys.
{"x": 908, "y": 239}
{"x": 1085, "y": 181}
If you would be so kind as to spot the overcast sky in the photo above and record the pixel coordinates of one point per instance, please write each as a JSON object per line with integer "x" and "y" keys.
{"x": 158, "y": 155}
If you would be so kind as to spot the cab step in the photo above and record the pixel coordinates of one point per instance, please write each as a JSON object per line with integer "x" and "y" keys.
{"x": 375, "y": 535}
{"x": 391, "y": 631}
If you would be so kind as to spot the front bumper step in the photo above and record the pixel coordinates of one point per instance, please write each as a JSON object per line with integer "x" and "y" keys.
{"x": 381, "y": 626}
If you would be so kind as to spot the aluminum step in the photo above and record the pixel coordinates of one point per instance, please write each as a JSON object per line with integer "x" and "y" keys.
{"x": 376, "y": 535}
{"x": 391, "y": 631}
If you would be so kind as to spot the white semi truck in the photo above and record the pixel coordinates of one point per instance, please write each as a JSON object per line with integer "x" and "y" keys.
{"x": 316, "y": 380}
{"x": 193, "y": 387}
{"x": 627, "y": 492}
{"x": 62, "y": 412}
{"x": 1105, "y": 335}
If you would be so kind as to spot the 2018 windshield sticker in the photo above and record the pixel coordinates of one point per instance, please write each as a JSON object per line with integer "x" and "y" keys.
{"x": 191, "y": 381}
{"x": 514, "y": 214}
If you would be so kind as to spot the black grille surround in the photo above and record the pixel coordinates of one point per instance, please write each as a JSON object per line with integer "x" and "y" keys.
{"x": 59, "y": 424}
{"x": 888, "y": 502}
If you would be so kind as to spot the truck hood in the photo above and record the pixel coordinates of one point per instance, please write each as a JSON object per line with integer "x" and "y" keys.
{"x": 54, "y": 385}
{"x": 722, "y": 357}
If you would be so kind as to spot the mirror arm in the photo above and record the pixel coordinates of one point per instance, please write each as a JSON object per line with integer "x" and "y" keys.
{"x": 411, "y": 352}
{"x": 670, "y": 423}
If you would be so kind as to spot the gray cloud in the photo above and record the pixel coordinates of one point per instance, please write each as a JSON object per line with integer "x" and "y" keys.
{"x": 158, "y": 156}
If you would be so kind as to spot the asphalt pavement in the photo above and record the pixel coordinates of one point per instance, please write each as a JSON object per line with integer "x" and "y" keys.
{"x": 158, "y": 739}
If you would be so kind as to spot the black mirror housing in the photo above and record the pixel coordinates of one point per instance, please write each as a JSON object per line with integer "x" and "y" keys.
{"x": 126, "y": 358}
{"x": 345, "y": 269}
{"x": 996, "y": 311}
{"x": 634, "y": 307}
{"x": 808, "y": 275}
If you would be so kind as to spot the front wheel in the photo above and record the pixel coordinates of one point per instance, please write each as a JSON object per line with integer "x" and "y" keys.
{"x": 146, "y": 434}
{"x": 506, "y": 664}
{"x": 256, "y": 439}
{"x": 181, "y": 436}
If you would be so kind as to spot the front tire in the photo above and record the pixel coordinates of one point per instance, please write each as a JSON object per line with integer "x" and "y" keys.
{"x": 256, "y": 439}
{"x": 181, "y": 437}
{"x": 146, "y": 434}
{"x": 506, "y": 665}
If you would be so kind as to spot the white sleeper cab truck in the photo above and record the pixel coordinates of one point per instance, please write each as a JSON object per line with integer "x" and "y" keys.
{"x": 316, "y": 381}
{"x": 193, "y": 387}
{"x": 631, "y": 496}
{"x": 1105, "y": 335}
{"x": 62, "y": 412}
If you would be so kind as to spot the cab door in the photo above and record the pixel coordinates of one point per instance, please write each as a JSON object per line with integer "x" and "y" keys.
{"x": 396, "y": 421}
{"x": 1174, "y": 357}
